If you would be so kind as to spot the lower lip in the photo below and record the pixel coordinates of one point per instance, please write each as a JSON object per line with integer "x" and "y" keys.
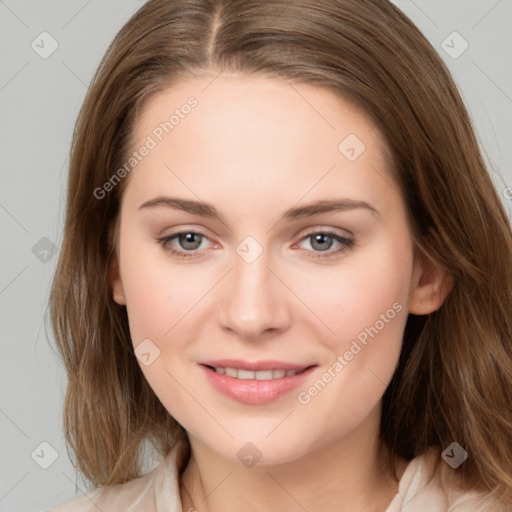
{"x": 252, "y": 391}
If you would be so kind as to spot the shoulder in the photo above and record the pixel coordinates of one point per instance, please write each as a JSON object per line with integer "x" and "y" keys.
{"x": 112, "y": 498}
{"x": 429, "y": 483}
{"x": 155, "y": 491}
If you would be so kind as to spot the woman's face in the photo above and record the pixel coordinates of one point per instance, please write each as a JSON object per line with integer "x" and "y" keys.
{"x": 262, "y": 289}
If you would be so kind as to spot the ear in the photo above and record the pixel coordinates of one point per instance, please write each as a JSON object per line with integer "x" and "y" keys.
{"x": 114, "y": 275}
{"x": 431, "y": 285}
{"x": 116, "y": 283}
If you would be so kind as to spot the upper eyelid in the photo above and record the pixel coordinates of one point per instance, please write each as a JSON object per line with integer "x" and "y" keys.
{"x": 305, "y": 231}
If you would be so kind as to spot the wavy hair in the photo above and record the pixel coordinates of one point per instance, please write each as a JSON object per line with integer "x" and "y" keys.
{"x": 454, "y": 378}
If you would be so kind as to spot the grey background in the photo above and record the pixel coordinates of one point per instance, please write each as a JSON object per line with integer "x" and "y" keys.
{"x": 39, "y": 101}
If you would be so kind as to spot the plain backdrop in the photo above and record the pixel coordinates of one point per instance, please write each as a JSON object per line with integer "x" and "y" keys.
{"x": 40, "y": 96}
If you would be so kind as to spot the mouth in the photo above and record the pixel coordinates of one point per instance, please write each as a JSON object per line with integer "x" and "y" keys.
{"x": 239, "y": 373}
{"x": 255, "y": 382}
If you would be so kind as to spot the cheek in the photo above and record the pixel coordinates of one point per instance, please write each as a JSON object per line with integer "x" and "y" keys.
{"x": 148, "y": 297}
{"x": 158, "y": 292}
{"x": 364, "y": 304}
{"x": 363, "y": 292}
{"x": 368, "y": 318}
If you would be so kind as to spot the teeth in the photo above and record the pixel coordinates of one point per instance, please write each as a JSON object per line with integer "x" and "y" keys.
{"x": 230, "y": 372}
{"x": 259, "y": 375}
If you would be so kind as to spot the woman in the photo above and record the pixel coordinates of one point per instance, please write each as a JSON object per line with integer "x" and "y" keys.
{"x": 269, "y": 372}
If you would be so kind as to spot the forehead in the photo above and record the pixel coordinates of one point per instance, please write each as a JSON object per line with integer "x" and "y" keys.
{"x": 252, "y": 132}
{"x": 255, "y": 110}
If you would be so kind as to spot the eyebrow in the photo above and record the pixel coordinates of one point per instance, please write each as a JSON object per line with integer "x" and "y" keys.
{"x": 207, "y": 210}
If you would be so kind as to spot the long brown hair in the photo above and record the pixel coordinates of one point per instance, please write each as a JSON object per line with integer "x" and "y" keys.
{"x": 454, "y": 378}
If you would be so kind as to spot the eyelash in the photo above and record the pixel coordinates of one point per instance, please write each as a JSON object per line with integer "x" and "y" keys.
{"x": 346, "y": 244}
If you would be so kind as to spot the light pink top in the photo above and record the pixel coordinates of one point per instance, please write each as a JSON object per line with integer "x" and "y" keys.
{"x": 419, "y": 490}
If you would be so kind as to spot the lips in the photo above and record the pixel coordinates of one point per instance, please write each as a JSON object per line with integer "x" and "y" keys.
{"x": 257, "y": 382}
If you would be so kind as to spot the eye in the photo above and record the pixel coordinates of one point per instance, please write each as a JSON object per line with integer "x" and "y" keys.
{"x": 322, "y": 241}
{"x": 189, "y": 240}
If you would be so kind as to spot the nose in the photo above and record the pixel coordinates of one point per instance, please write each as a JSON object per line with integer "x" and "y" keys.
{"x": 255, "y": 301}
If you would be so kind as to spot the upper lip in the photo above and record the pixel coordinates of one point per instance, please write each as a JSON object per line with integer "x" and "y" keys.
{"x": 254, "y": 365}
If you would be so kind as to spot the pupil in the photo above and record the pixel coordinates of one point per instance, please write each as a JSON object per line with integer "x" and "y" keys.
{"x": 189, "y": 238}
{"x": 319, "y": 237}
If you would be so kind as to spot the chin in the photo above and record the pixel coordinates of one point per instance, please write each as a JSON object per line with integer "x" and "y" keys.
{"x": 250, "y": 447}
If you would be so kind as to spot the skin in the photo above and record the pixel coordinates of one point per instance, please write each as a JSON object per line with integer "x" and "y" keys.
{"x": 254, "y": 147}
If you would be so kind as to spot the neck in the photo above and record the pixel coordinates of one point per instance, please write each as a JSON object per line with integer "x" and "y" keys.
{"x": 347, "y": 474}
